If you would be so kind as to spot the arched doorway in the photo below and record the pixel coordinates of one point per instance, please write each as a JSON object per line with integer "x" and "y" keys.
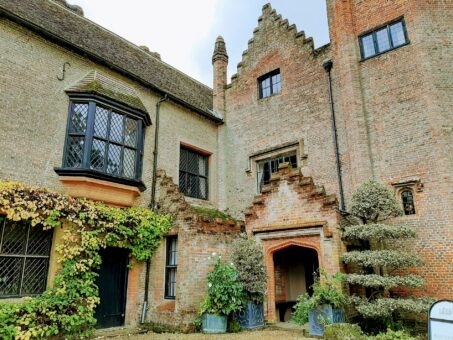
{"x": 295, "y": 268}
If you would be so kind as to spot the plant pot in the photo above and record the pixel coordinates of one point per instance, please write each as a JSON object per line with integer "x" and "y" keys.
{"x": 326, "y": 312}
{"x": 252, "y": 316}
{"x": 211, "y": 323}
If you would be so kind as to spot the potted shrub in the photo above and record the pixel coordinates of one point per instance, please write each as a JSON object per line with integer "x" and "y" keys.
{"x": 225, "y": 296}
{"x": 324, "y": 306}
{"x": 248, "y": 259}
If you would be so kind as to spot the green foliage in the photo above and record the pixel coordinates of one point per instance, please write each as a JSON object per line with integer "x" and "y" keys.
{"x": 67, "y": 309}
{"x": 225, "y": 293}
{"x": 377, "y": 232}
{"x": 383, "y": 308}
{"x": 394, "y": 335}
{"x": 383, "y": 258}
{"x": 234, "y": 326}
{"x": 343, "y": 331}
{"x": 373, "y": 202}
{"x": 248, "y": 259}
{"x": 212, "y": 213}
{"x": 325, "y": 292}
{"x": 385, "y": 281}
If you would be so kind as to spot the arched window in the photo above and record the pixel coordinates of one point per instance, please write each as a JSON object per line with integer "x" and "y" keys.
{"x": 407, "y": 197}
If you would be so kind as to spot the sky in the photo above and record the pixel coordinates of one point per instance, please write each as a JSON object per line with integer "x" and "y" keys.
{"x": 183, "y": 32}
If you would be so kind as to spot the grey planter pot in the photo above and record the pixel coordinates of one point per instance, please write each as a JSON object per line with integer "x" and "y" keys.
{"x": 334, "y": 315}
{"x": 251, "y": 317}
{"x": 211, "y": 323}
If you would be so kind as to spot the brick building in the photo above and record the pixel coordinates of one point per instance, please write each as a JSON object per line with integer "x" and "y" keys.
{"x": 279, "y": 148}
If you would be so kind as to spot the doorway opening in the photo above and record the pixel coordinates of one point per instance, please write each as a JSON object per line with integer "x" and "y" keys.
{"x": 112, "y": 283}
{"x": 295, "y": 268}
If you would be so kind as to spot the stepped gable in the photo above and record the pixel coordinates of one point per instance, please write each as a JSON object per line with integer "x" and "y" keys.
{"x": 292, "y": 201}
{"x": 171, "y": 201}
{"x": 271, "y": 17}
{"x": 58, "y": 23}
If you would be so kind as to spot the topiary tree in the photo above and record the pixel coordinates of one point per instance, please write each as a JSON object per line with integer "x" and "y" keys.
{"x": 379, "y": 267}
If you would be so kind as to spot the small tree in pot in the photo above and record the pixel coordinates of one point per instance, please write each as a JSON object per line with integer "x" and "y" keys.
{"x": 248, "y": 259}
{"x": 225, "y": 296}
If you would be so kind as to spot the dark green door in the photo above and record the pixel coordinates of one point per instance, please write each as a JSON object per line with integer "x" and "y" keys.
{"x": 112, "y": 283}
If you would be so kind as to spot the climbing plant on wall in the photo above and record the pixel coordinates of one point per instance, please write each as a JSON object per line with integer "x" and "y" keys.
{"x": 68, "y": 307}
{"x": 378, "y": 266}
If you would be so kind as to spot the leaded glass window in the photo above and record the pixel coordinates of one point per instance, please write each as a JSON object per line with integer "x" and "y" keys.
{"x": 171, "y": 266}
{"x": 105, "y": 140}
{"x": 193, "y": 173}
{"x": 269, "y": 84}
{"x": 267, "y": 167}
{"x": 383, "y": 39}
{"x": 24, "y": 258}
{"x": 407, "y": 198}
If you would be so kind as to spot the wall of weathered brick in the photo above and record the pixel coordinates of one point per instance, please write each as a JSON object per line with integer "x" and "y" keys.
{"x": 394, "y": 113}
{"x": 299, "y": 112}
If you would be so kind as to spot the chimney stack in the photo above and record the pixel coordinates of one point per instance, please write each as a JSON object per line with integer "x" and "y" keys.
{"x": 220, "y": 64}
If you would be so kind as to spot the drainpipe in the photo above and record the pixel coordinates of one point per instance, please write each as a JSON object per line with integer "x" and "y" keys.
{"x": 152, "y": 204}
{"x": 328, "y": 67}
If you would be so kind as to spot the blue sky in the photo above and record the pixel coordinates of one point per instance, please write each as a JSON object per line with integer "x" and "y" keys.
{"x": 183, "y": 32}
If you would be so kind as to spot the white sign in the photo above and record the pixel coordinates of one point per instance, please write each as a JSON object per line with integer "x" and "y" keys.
{"x": 441, "y": 321}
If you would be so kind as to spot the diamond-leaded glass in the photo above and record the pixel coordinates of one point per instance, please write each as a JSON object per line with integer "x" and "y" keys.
{"x": 24, "y": 258}
{"x": 193, "y": 174}
{"x": 79, "y": 118}
{"x": 130, "y": 132}
{"x": 74, "y": 154}
{"x": 108, "y": 142}
{"x": 114, "y": 160}
{"x": 116, "y": 127}
{"x": 97, "y": 155}
{"x": 101, "y": 119}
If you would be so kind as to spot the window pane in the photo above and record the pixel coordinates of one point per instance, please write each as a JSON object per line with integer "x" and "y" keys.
{"x": 97, "y": 155}
{"x": 130, "y": 132}
{"x": 100, "y": 122}
{"x": 202, "y": 166}
{"x": 79, "y": 118}
{"x": 276, "y": 88}
{"x": 202, "y": 188}
{"x": 35, "y": 275}
{"x": 266, "y": 92}
{"x": 129, "y": 163}
{"x": 74, "y": 154}
{"x": 368, "y": 46}
{"x": 408, "y": 202}
{"x": 14, "y": 237}
{"x": 10, "y": 273}
{"x": 192, "y": 162}
{"x": 116, "y": 127}
{"x": 39, "y": 241}
{"x": 397, "y": 33}
{"x": 382, "y": 39}
{"x": 114, "y": 160}
{"x": 182, "y": 182}
{"x": 192, "y": 186}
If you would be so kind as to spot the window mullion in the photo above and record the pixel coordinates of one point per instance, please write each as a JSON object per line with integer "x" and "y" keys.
{"x": 89, "y": 135}
{"x": 21, "y": 281}
{"x": 107, "y": 146}
{"x": 122, "y": 146}
{"x": 389, "y": 35}
{"x": 139, "y": 150}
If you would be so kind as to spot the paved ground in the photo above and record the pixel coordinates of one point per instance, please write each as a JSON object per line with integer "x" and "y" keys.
{"x": 267, "y": 334}
{"x": 277, "y": 332}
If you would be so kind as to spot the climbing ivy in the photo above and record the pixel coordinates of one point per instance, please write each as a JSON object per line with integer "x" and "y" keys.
{"x": 67, "y": 309}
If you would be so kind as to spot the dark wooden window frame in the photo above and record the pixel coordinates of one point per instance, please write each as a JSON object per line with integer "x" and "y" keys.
{"x": 276, "y": 159}
{"x": 85, "y": 170}
{"x": 24, "y": 258}
{"x": 170, "y": 266}
{"x": 186, "y": 172}
{"x": 373, "y": 31}
{"x": 269, "y": 76}
{"x": 413, "y": 201}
